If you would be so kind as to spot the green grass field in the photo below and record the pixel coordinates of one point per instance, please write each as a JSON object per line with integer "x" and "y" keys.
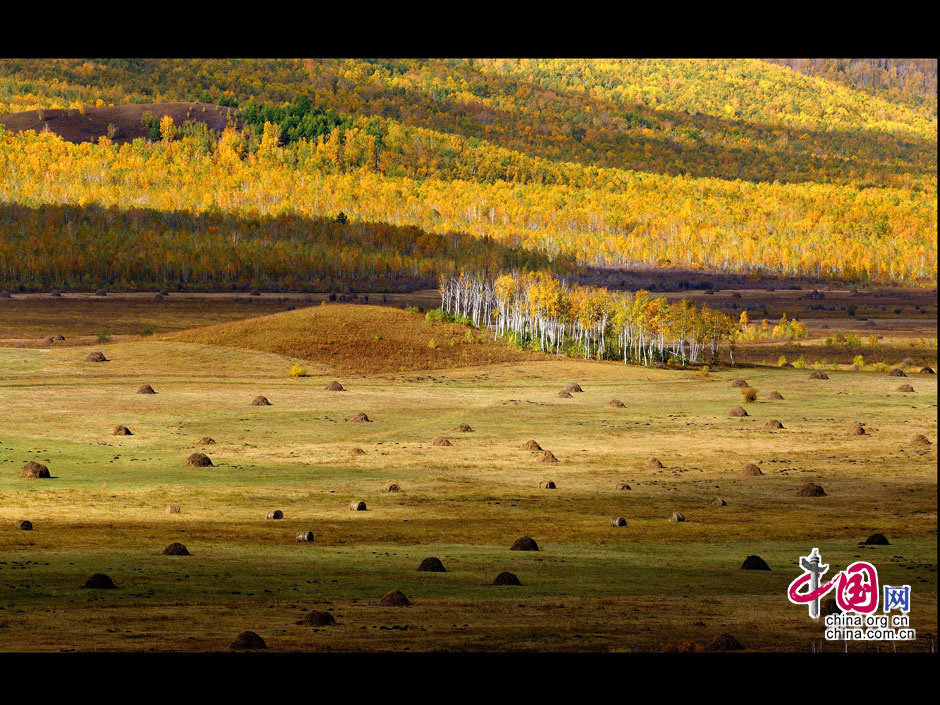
{"x": 592, "y": 587}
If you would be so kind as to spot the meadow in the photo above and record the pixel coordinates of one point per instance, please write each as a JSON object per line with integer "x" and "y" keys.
{"x": 590, "y": 587}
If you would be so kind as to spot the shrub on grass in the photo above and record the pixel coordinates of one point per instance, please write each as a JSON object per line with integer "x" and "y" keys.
{"x": 749, "y": 393}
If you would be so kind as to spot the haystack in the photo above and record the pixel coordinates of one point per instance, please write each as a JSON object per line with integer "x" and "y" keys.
{"x": 653, "y": 464}
{"x": 737, "y": 411}
{"x": 176, "y": 549}
{"x": 616, "y": 404}
{"x": 547, "y": 457}
{"x": 305, "y": 537}
{"x": 173, "y": 509}
{"x": 905, "y": 388}
{"x": 206, "y": 441}
{"x": 55, "y": 292}
{"x": 918, "y": 439}
{"x": 357, "y": 506}
{"x": 754, "y": 563}
{"x": 24, "y": 525}
{"x": 565, "y": 395}
{"x": 618, "y": 521}
{"x": 100, "y": 581}
{"x": 432, "y": 565}
{"x": 360, "y": 418}
{"x": 393, "y": 487}
{"x": 737, "y": 383}
{"x": 441, "y": 441}
{"x": 677, "y": 516}
{"x": 145, "y": 389}
{"x": 276, "y": 514}
{"x": 547, "y": 485}
{"x": 5, "y": 294}
{"x": 318, "y": 618}
{"x": 101, "y": 292}
{"x": 121, "y": 430}
{"x": 776, "y": 396}
{"x": 896, "y": 372}
{"x": 623, "y": 487}
{"x": 60, "y": 338}
{"x": 260, "y": 401}
{"x": 199, "y": 460}
{"x": 335, "y": 386}
{"x": 357, "y": 451}
{"x": 96, "y": 357}
{"x": 724, "y": 642}
{"x": 856, "y": 429}
{"x": 925, "y": 370}
{"x": 573, "y": 387}
{"x": 35, "y": 470}
{"x": 877, "y": 540}
{"x": 773, "y": 425}
{"x": 751, "y": 470}
{"x": 719, "y": 502}
{"x": 811, "y": 489}
{"x": 463, "y": 428}
{"x": 531, "y": 445}
{"x": 506, "y": 578}
{"x": 524, "y": 544}
{"x": 394, "y": 598}
{"x": 818, "y": 374}
{"x": 48, "y": 340}
{"x": 247, "y": 641}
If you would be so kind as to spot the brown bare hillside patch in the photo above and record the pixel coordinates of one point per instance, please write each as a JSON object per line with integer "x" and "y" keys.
{"x": 126, "y": 120}
{"x": 359, "y": 339}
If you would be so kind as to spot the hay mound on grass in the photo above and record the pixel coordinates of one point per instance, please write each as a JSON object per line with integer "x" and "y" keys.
{"x": 546, "y": 485}
{"x": 564, "y": 395}
{"x": 357, "y": 506}
{"x": 531, "y": 445}
{"x": 896, "y": 372}
{"x": 247, "y": 641}
{"x": 305, "y": 537}
{"x": 60, "y": 338}
{"x": 918, "y": 439}
{"x": 199, "y": 460}
{"x": 260, "y": 401}
{"x": 773, "y": 425}
{"x": 394, "y": 598}
{"x": 925, "y": 370}
{"x": 618, "y": 521}
{"x": 176, "y": 549}
{"x": 776, "y": 396}
{"x": 788, "y": 365}
{"x": 623, "y": 487}
{"x": 24, "y": 525}
{"x": 55, "y": 292}
{"x": 574, "y": 387}
{"x": 357, "y": 451}
{"x": 754, "y": 563}
{"x": 432, "y": 565}
{"x": 101, "y": 292}
{"x": 526, "y": 543}
{"x": 811, "y": 489}
{"x": 724, "y": 642}
{"x": 96, "y": 357}
{"x": 506, "y": 578}
{"x": 905, "y": 388}
{"x": 818, "y": 374}
{"x": 172, "y": 509}
{"x": 463, "y": 428}
{"x": 719, "y": 502}
{"x": 100, "y": 581}
{"x": 276, "y": 514}
{"x": 335, "y": 386}
{"x": 318, "y": 618}
{"x": 207, "y": 441}
{"x": 751, "y": 470}
{"x": 35, "y": 470}
{"x": 5, "y": 294}
{"x": 392, "y": 488}
{"x": 616, "y": 404}
{"x": 145, "y": 389}
{"x": 653, "y": 464}
{"x": 677, "y": 516}
{"x": 548, "y": 457}
{"x": 48, "y": 340}
{"x": 856, "y": 429}
{"x": 121, "y": 430}
{"x": 739, "y": 383}
{"x": 737, "y": 411}
{"x": 441, "y": 441}
{"x": 360, "y": 418}
{"x": 683, "y": 647}
{"x": 877, "y": 540}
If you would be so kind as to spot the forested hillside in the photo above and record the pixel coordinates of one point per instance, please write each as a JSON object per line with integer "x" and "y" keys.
{"x": 733, "y": 165}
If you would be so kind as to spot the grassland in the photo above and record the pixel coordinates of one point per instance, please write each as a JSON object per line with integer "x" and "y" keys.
{"x": 591, "y": 587}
